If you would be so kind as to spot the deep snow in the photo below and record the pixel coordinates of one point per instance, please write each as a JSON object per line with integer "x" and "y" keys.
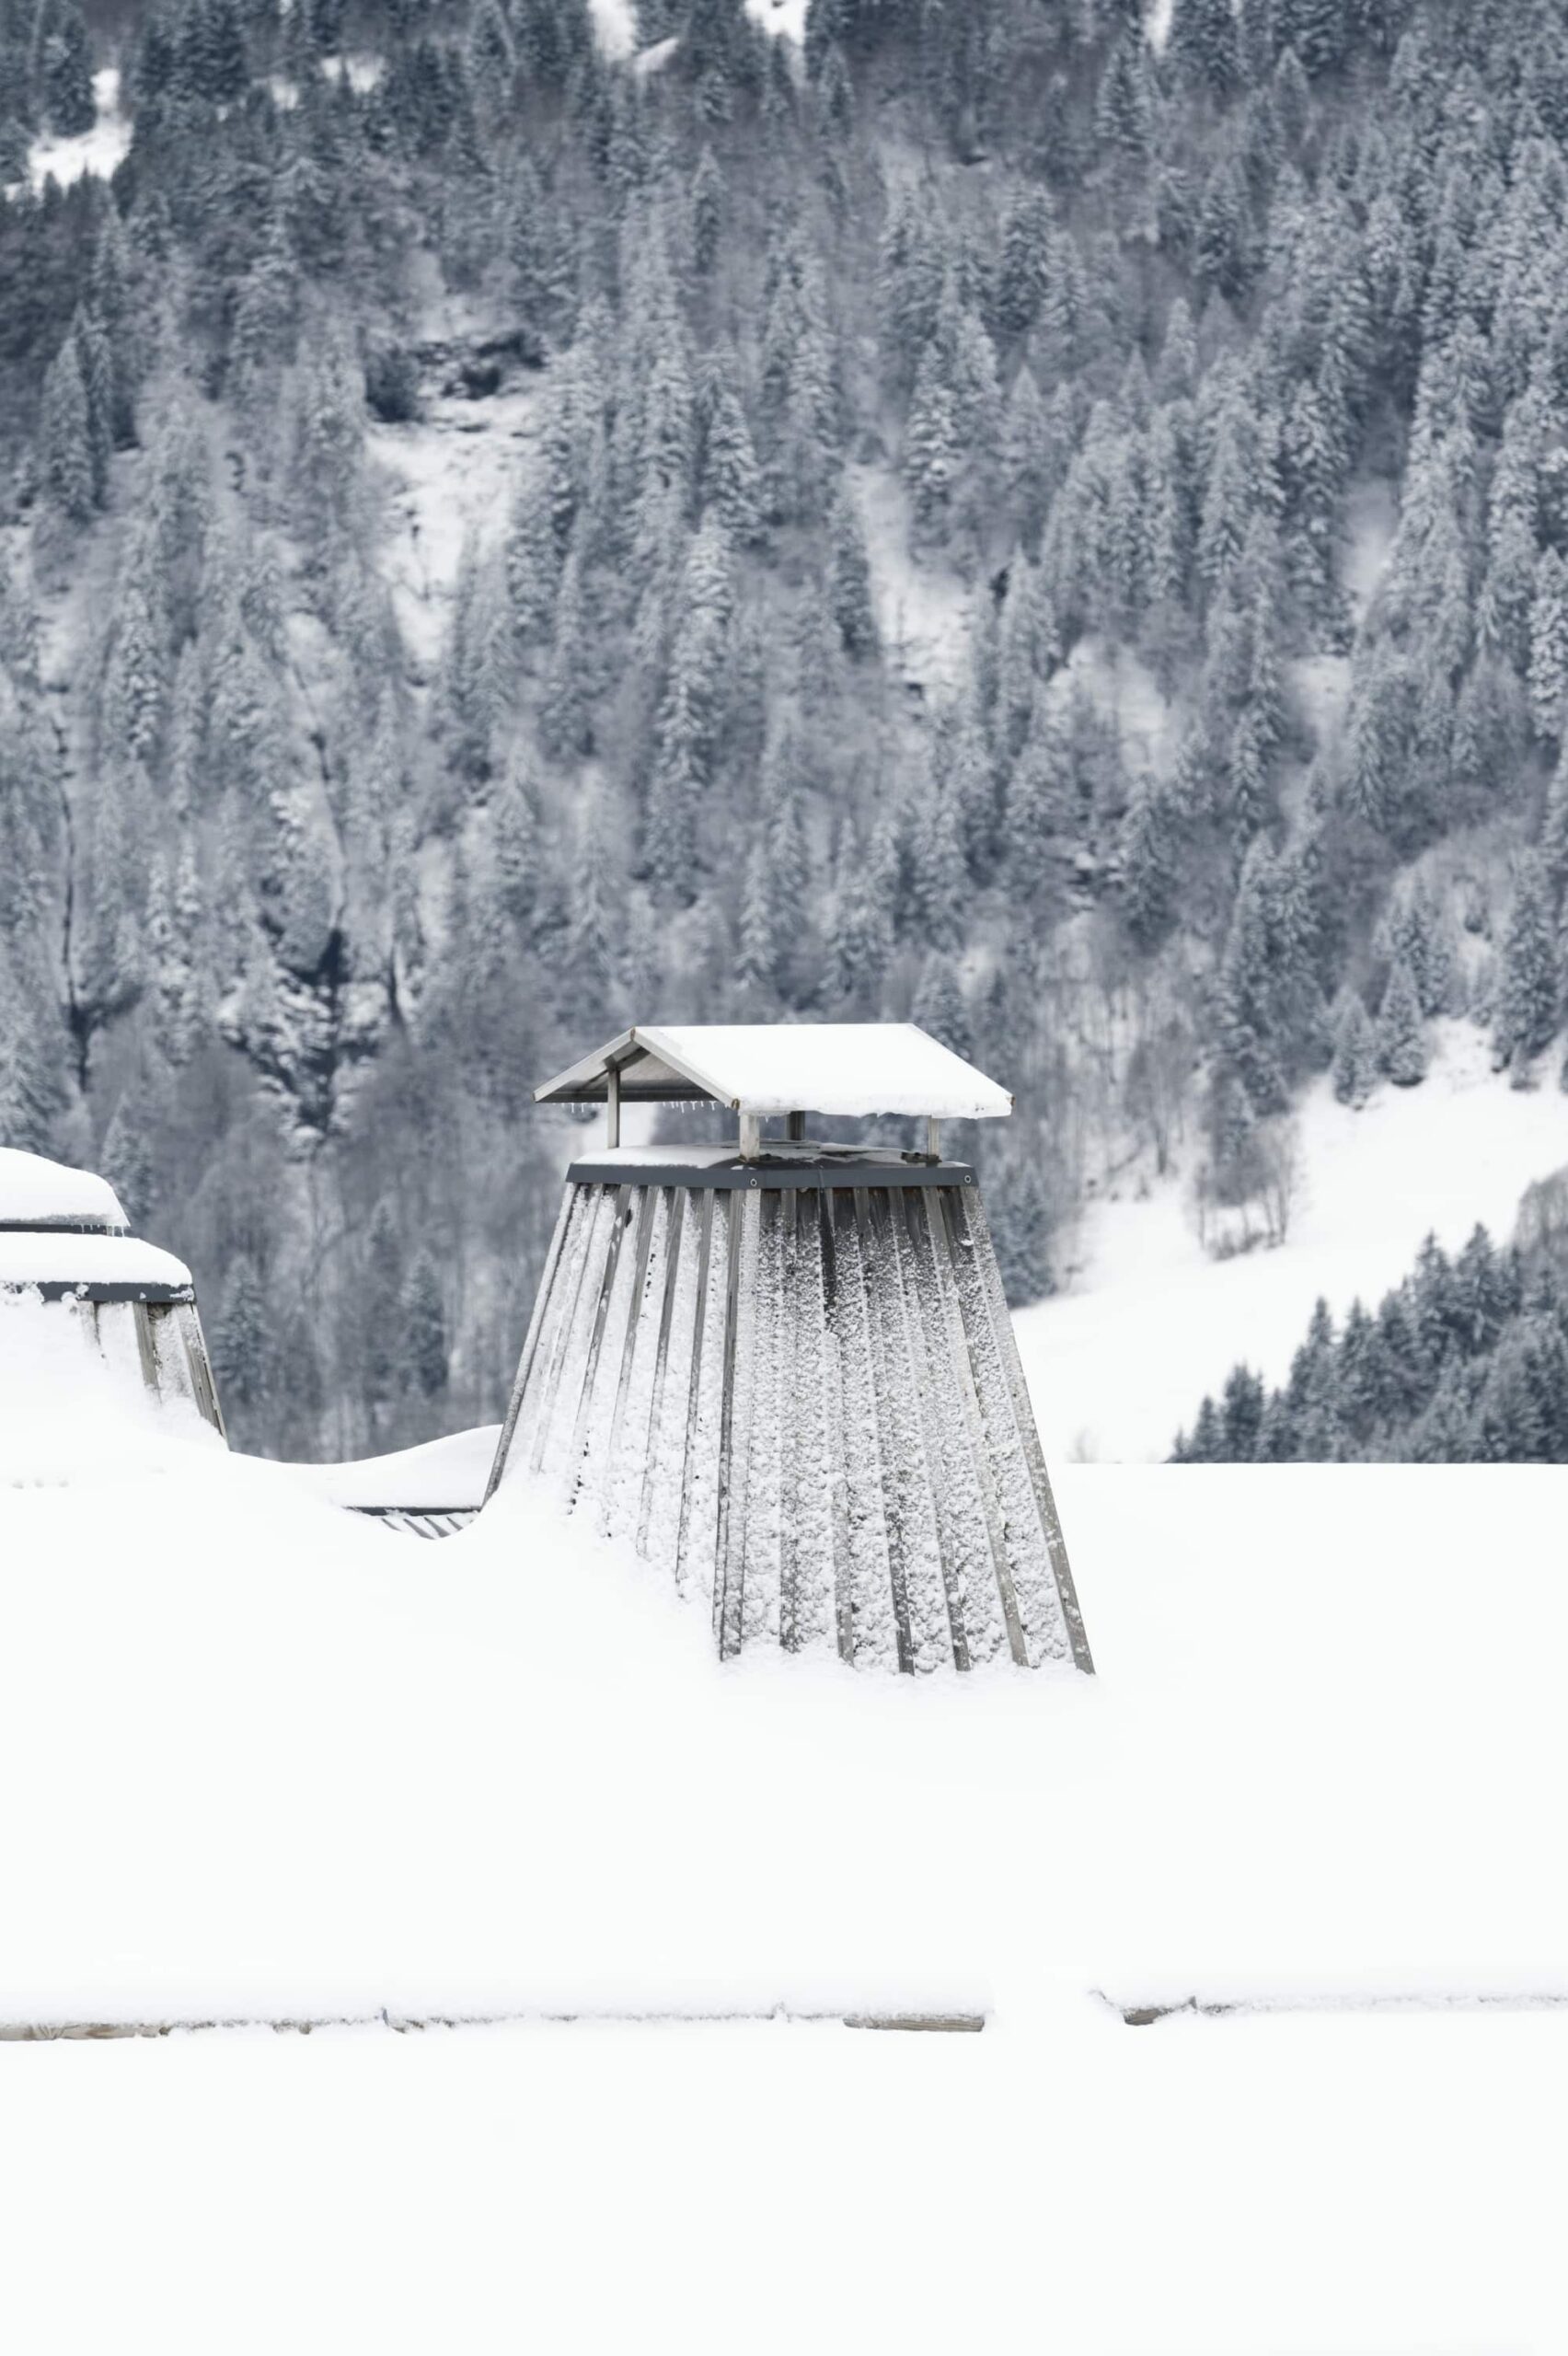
{"x": 1120, "y": 1360}
{"x": 303, "y": 1765}
{"x": 267, "y": 1760}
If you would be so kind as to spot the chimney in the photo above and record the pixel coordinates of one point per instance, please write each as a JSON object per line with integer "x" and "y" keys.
{"x": 785, "y": 1370}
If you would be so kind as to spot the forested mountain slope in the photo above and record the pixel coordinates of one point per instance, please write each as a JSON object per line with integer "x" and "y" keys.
{"x": 974, "y": 514}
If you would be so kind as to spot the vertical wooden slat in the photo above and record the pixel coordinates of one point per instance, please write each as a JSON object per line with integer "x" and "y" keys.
{"x": 973, "y": 1604}
{"x": 927, "y": 1398}
{"x": 728, "y": 1554}
{"x": 531, "y": 1340}
{"x": 199, "y": 1364}
{"x": 676, "y": 1200}
{"x": 941, "y": 1245}
{"x": 647, "y": 1200}
{"x": 915, "y": 1464}
{"x": 589, "y": 1203}
{"x": 893, "y": 1503}
{"x": 970, "y": 1214}
{"x": 620, "y": 1220}
{"x": 792, "y": 1411}
{"x": 146, "y": 1349}
{"x": 694, "y": 1387}
{"x": 833, "y": 1428}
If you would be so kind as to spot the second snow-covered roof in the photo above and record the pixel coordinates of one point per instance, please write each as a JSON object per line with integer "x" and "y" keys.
{"x": 36, "y": 1192}
{"x": 837, "y": 1069}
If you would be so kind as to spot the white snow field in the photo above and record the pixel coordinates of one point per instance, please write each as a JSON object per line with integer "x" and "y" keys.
{"x": 1120, "y": 1360}
{"x": 266, "y": 1761}
{"x": 451, "y": 476}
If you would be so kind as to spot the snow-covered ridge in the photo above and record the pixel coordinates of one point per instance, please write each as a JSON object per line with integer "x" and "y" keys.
{"x": 442, "y": 1474}
{"x": 1121, "y": 1360}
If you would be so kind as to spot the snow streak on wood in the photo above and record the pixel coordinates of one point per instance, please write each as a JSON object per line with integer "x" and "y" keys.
{"x": 805, "y": 1403}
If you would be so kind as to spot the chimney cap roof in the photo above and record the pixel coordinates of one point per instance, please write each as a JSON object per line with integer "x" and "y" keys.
{"x": 763, "y": 1069}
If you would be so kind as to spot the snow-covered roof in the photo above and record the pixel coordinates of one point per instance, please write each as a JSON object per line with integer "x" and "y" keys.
{"x": 113, "y": 1266}
{"x": 837, "y": 1069}
{"x": 37, "y": 1192}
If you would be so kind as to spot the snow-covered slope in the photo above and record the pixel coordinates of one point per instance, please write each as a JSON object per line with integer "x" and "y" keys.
{"x": 65, "y": 156}
{"x": 452, "y": 474}
{"x": 1119, "y": 1362}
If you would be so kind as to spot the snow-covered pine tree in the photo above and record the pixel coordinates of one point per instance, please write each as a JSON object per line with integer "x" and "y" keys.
{"x": 1356, "y": 1056}
{"x": 66, "y": 450}
{"x": 849, "y": 577}
{"x": 939, "y": 1007}
{"x": 65, "y": 68}
{"x": 425, "y": 1344}
{"x": 1549, "y": 645}
{"x": 1529, "y": 992}
{"x": 1402, "y": 1049}
{"x": 730, "y": 479}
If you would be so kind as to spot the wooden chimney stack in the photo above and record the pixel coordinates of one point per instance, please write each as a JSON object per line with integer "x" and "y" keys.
{"x": 785, "y": 1371}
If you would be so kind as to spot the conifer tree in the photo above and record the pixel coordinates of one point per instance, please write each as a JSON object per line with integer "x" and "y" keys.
{"x": 940, "y": 1005}
{"x": 932, "y": 452}
{"x": 31, "y": 1079}
{"x": 937, "y": 868}
{"x": 533, "y": 562}
{"x": 136, "y": 674}
{"x": 384, "y": 1344}
{"x": 424, "y": 1329}
{"x": 757, "y": 939}
{"x": 732, "y": 479}
{"x": 1124, "y": 107}
{"x": 850, "y": 578}
{"x": 1149, "y": 846}
{"x": 1025, "y": 261}
{"x": 1204, "y": 45}
{"x": 1038, "y": 807}
{"x": 516, "y": 857}
{"x": 65, "y": 70}
{"x": 98, "y": 382}
{"x": 1356, "y": 1054}
{"x": 1402, "y": 1035}
{"x": 1530, "y": 989}
{"x": 1549, "y": 645}
{"x": 240, "y": 1355}
{"x": 706, "y": 213}
{"x": 861, "y": 938}
{"x": 66, "y": 450}
{"x": 266, "y": 318}
{"x": 566, "y": 703}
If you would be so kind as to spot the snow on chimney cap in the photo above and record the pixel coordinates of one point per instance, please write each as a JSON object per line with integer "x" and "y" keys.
{"x": 762, "y": 1068}
{"x": 35, "y": 1192}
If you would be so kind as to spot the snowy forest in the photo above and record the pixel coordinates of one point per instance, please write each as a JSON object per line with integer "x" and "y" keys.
{"x": 1465, "y": 1362}
{"x": 524, "y": 518}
